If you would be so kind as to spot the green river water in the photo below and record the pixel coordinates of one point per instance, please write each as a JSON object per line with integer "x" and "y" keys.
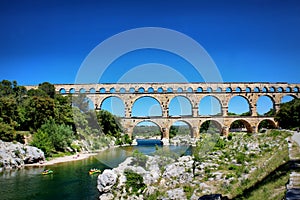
{"x": 70, "y": 180}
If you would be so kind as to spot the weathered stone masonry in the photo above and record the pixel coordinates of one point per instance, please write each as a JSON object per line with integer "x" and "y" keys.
{"x": 194, "y": 92}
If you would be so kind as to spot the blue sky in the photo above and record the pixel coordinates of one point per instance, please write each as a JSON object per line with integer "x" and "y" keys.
{"x": 255, "y": 40}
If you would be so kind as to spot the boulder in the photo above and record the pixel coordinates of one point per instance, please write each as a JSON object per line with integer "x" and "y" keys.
{"x": 173, "y": 170}
{"x": 15, "y": 155}
{"x": 33, "y": 155}
{"x": 106, "y": 181}
{"x": 177, "y": 193}
{"x": 106, "y": 196}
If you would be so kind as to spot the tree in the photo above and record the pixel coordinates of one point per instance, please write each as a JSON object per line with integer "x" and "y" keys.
{"x": 63, "y": 110}
{"x": 48, "y": 88}
{"x": 38, "y": 111}
{"x": 109, "y": 123}
{"x": 52, "y": 137}
{"x": 81, "y": 101}
{"x": 173, "y": 131}
{"x": 288, "y": 115}
{"x": 6, "y": 88}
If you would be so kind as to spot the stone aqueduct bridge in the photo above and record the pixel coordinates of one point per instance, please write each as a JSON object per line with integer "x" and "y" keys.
{"x": 194, "y": 92}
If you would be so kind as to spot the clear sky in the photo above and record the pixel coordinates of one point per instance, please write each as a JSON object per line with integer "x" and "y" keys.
{"x": 249, "y": 40}
{"x": 255, "y": 40}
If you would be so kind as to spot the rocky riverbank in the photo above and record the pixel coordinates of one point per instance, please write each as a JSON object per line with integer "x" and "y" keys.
{"x": 228, "y": 167}
{"x": 16, "y": 155}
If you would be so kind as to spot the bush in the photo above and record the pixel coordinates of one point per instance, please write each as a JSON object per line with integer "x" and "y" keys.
{"x": 230, "y": 136}
{"x": 240, "y": 158}
{"x": 52, "y": 137}
{"x": 139, "y": 158}
{"x": 134, "y": 182}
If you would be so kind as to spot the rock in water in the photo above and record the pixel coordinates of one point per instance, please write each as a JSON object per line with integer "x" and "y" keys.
{"x": 15, "y": 155}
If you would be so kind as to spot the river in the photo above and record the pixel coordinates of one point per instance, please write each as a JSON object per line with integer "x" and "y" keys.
{"x": 70, "y": 180}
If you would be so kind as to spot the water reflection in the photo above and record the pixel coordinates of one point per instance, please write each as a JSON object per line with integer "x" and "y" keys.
{"x": 70, "y": 180}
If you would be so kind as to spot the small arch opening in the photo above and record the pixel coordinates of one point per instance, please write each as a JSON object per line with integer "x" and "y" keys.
{"x": 102, "y": 90}
{"x": 179, "y": 90}
{"x": 170, "y": 90}
{"x": 82, "y": 91}
{"x": 228, "y": 89}
{"x": 256, "y": 89}
{"x": 150, "y": 90}
{"x": 238, "y": 89}
{"x": 141, "y": 90}
{"x": 199, "y": 89}
{"x": 122, "y": 90}
{"x": 180, "y": 129}
{"x": 62, "y": 91}
{"x": 189, "y": 90}
{"x": 92, "y": 90}
{"x": 72, "y": 91}
{"x": 160, "y": 90}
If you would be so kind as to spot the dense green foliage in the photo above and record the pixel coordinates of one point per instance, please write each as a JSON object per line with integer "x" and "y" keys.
{"x": 289, "y": 114}
{"x": 134, "y": 182}
{"x": 52, "y": 137}
{"x": 52, "y": 121}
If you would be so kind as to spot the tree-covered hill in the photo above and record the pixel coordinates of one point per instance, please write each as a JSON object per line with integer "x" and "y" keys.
{"x": 53, "y": 122}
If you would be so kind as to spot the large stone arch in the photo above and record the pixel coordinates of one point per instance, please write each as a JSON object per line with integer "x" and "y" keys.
{"x": 151, "y": 121}
{"x": 187, "y": 123}
{"x": 272, "y": 123}
{"x": 113, "y": 96}
{"x": 251, "y": 110}
{"x": 133, "y": 101}
{"x": 213, "y": 96}
{"x": 215, "y": 123}
{"x": 185, "y": 98}
{"x": 246, "y": 123}
{"x": 273, "y": 101}
{"x": 287, "y": 94}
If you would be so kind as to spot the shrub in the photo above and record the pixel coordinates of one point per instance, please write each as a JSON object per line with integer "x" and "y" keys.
{"x": 139, "y": 158}
{"x": 134, "y": 182}
{"x": 240, "y": 158}
{"x": 230, "y": 136}
{"x": 188, "y": 191}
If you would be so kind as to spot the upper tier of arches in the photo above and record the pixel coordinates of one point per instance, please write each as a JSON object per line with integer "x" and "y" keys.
{"x": 180, "y": 88}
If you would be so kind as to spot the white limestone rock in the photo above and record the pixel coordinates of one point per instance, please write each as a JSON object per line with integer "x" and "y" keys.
{"x": 106, "y": 181}
{"x": 176, "y": 194}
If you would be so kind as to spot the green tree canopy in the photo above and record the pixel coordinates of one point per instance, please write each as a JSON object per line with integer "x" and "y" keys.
{"x": 288, "y": 115}
{"x": 109, "y": 123}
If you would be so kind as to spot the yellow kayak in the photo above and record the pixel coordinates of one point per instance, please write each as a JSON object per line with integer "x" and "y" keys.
{"x": 94, "y": 171}
{"x": 46, "y": 172}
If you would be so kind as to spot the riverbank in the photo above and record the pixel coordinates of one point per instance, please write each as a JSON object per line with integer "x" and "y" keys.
{"x": 53, "y": 161}
{"x": 75, "y": 157}
{"x": 234, "y": 167}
